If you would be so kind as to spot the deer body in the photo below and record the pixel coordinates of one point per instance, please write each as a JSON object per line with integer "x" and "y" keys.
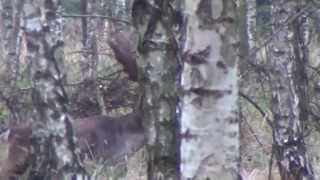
{"x": 98, "y": 136}
{"x": 109, "y": 137}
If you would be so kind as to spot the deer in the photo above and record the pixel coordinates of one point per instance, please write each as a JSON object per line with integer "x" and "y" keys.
{"x": 122, "y": 43}
{"x": 97, "y": 136}
{"x": 109, "y": 138}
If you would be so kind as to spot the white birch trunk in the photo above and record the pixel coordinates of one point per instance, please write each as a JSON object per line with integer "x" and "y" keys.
{"x": 158, "y": 67}
{"x": 10, "y": 18}
{"x": 251, "y": 24}
{"x": 209, "y": 124}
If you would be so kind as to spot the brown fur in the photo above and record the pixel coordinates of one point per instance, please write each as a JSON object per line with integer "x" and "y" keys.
{"x": 109, "y": 137}
{"x": 18, "y": 152}
{"x": 122, "y": 47}
{"x": 98, "y": 136}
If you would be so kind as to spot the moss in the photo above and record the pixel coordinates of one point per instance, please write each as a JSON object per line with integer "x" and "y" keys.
{"x": 4, "y": 113}
{"x": 24, "y": 83}
{"x": 71, "y": 6}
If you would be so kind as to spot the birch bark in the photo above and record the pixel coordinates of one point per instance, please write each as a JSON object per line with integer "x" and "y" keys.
{"x": 286, "y": 100}
{"x": 10, "y": 41}
{"x": 209, "y": 123}
{"x": 53, "y": 146}
{"x": 251, "y": 26}
{"x": 158, "y": 68}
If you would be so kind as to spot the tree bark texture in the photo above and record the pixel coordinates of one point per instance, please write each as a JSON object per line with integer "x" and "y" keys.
{"x": 11, "y": 12}
{"x": 314, "y": 92}
{"x": 90, "y": 28}
{"x": 84, "y": 24}
{"x": 10, "y": 39}
{"x": 89, "y": 62}
{"x": 53, "y": 137}
{"x": 209, "y": 123}
{"x": 287, "y": 82}
{"x": 251, "y": 25}
{"x": 158, "y": 68}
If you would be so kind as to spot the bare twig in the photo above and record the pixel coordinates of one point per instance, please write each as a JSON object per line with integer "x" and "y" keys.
{"x": 268, "y": 39}
{"x": 95, "y": 16}
{"x": 86, "y": 52}
{"x": 254, "y": 134}
{"x": 102, "y": 78}
{"x": 264, "y": 115}
{"x": 271, "y": 163}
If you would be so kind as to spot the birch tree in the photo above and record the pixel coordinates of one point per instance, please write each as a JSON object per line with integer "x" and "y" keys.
{"x": 287, "y": 92}
{"x": 251, "y": 20}
{"x": 10, "y": 31}
{"x": 313, "y": 82}
{"x": 53, "y": 147}
{"x": 90, "y": 28}
{"x": 209, "y": 124}
{"x": 158, "y": 75}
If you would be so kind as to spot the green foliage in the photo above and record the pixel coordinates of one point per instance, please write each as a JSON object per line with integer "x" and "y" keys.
{"x": 263, "y": 2}
{"x": 71, "y": 6}
{"x": 264, "y": 18}
{"x": 24, "y": 83}
{"x": 3, "y": 113}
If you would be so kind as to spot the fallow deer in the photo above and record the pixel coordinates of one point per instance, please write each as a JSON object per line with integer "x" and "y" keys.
{"x": 98, "y": 136}
{"x": 110, "y": 138}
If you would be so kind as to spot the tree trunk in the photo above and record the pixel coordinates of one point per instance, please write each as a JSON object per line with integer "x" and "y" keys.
{"x": 11, "y": 11}
{"x": 158, "y": 75}
{"x": 287, "y": 93}
{"x": 209, "y": 124}
{"x": 90, "y": 29}
{"x": 84, "y": 23}
{"x": 10, "y": 30}
{"x": 53, "y": 146}
{"x": 313, "y": 140}
{"x": 251, "y": 27}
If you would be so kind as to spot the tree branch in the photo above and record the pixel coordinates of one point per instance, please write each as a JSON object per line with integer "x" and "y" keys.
{"x": 264, "y": 115}
{"x": 95, "y": 16}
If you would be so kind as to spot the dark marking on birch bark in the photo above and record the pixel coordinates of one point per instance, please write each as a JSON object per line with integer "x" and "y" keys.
{"x": 197, "y": 102}
{"x": 232, "y": 120}
{"x": 232, "y": 134}
{"x": 196, "y": 76}
{"x": 197, "y": 58}
{"x": 187, "y": 135}
{"x": 51, "y": 10}
{"x": 221, "y": 64}
{"x": 33, "y": 47}
{"x": 233, "y": 148}
{"x": 204, "y": 12}
{"x": 208, "y": 92}
{"x": 139, "y": 9}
